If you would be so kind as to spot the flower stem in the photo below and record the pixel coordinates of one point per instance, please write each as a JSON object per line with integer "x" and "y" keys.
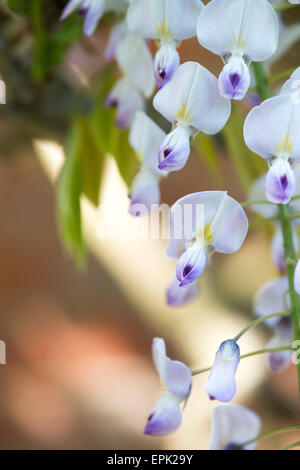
{"x": 257, "y": 322}
{"x": 253, "y": 353}
{"x": 271, "y": 433}
{"x": 291, "y": 446}
{"x": 290, "y": 254}
{"x": 263, "y": 89}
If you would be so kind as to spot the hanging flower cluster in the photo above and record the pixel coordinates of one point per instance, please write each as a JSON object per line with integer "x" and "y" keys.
{"x": 244, "y": 33}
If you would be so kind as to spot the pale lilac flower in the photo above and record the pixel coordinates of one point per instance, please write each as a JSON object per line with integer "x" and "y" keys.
{"x": 92, "y": 10}
{"x": 169, "y": 22}
{"x": 178, "y": 296}
{"x": 145, "y": 138}
{"x": 196, "y": 235}
{"x": 277, "y": 247}
{"x": 240, "y": 31}
{"x": 129, "y": 93}
{"x": 176, "y": 377}
{"x": 191, "y": 101}
{"x": 297, "y": 278}
{"x": 118, "y": 32}
{"x": 221, "y": 383}
{"x": 273, "y": 297}
{"x": 271, "y": 131}
{"x": 232, "y": 426}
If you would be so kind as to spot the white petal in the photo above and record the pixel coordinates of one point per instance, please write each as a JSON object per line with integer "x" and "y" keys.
{"x": 117, "y": 34}
{"x": 144, "y": 193}
{"x": 165, "y": 417}
{"x": 272, "y": 129}
{"x": 127, "y": 99}
{"x": 297, "y": 278}
{"x": 135, "y": 61}
{"x": 280, "y": 182}
{"x": 93, "y": 16}
{"x": 279, "y": 360}
{"x": 145, "y": 138}
{"x": 257, "y": 193}
{"x": 292, "y": 84}
{"x": 242, "y": 26}
{"x": 272, "y": 297}
{"x": 175, "y": 375}
{"x": 166, "y": 63}
{"x": 179, "y": 296}
{"x": 192, "y": 98}
{"x": 69, "y": 8}
{"x": 229, "y": 227}
{"x": 164, "y": 19}
{"x": 233, "y": 424}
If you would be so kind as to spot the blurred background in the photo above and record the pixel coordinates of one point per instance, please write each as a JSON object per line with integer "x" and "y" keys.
{"x": 79, "y": 373}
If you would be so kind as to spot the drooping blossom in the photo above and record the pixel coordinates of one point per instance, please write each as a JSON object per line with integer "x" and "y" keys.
{"x": 191, "y": 101}
{"x": 273, "y": 297}
{"x": 169, "y": 22}
{"x": 129, "y": 93}
{"x": 178, "y": 296}
{"x": 232, "y": 426}
{"x": 202, "y": 223}
{"x": 118, "y": 32}
{"x": 240, "y": 31}
{"x": 269, "y": 210}
{"x": 145, "y": 138}
{"x": 221, "y": 383}
{"x": 271, "y": 131}
{"x": 176, "y": 377}
{"x": 93, "y": 11}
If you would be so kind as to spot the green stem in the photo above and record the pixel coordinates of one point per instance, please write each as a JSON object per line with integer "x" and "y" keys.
{"x": 283, "y": 212}
{"x": 271, "y": 433}
{"x": 290, "y": 254}
{"x": 257, "y": 322}
{"x": 253, "y": 353}
{"x": 291, "y": 446}
{"x": 280, "y": 75}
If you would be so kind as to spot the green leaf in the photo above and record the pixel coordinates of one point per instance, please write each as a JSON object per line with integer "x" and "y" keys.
{"x": 247, "y": 165}
{"x": 208, "y": 150}
{"x": 92, "y": 161}
{"x": 68, "y": 193}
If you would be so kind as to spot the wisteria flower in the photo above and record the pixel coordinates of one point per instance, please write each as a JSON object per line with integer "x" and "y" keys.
{"x": 271, "y": 131}
{"x": 168, "y": 21}
{"x": 221, "y": 383}
{"x": 240, "y": 31}
{"x": 202, "y": 223}
{"x": 191, "y": 101}
{"x": 178, "y": 296}
{"x": 232, "y": 426}
{"x": 128, "y": 94}
{"x": 145, "y": 138}
{"x": 176, "y": 377}
{"x": 118, "y": 32}
{"x": 273, "y": 297}
{"x": 92, "y": 10}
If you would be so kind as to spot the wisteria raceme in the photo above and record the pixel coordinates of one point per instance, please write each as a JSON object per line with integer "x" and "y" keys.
{"x": 232, "y": 426}
{"x": 168, "y": 21}
{"x": 145, "y": 138}
{"x": 240, "y": 31}
{"x": 176, "y": 377}
{"x": 191, "y": 101}
{"x": 93, "y": 11}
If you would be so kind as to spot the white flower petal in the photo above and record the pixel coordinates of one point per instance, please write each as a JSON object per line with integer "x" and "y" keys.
{"x": 192, "y": 98}
{"x": 233, "y": 424}
{"x": 239, "y": 26}
{"x": 179, "y": 296}
{"x": 272, "y": 128}
{"x": 135, "y": 61}
{"x": 164, "y": 19}
{"x": 272, "y": 297}
{"x": 165, "y": 417}
{"x": 146, "y": 137}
